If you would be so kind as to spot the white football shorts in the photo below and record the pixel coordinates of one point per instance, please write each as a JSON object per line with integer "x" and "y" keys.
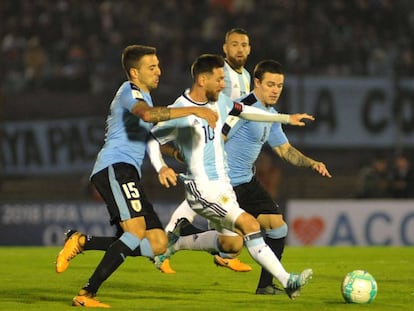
{"x": 215, "y": 201}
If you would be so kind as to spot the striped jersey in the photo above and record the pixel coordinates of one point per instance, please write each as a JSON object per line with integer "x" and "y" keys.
{"x": 126, "y": 134}
{"x": 200, "y": 145}
{"x": 236, "y": 84}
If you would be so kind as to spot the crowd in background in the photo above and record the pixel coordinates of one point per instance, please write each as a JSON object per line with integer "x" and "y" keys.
{"x": 387, "y": 178}
{"x": 75, "y": 45}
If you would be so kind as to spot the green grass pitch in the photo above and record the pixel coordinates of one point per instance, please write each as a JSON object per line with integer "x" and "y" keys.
{"x": 29, "y": 281}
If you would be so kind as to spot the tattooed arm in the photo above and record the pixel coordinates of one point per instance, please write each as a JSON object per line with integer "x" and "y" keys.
{"x": 157, "y": 114}
{"x": 297, "y": 158}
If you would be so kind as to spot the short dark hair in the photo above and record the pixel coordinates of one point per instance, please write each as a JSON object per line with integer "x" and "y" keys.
{"x": 240, "y": 31}
{"x": 264, "y": 66}
{"x": 206, "y": 63}
{"x": 132, "y": 54}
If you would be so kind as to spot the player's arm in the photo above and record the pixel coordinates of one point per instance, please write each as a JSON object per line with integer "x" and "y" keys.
{"x": 292, "y": 155}
{"x": 172, "y": 152}
{"x": 256, "y": 114}
{"x": 166, "y": 175}
{"x": 156, "y": 114}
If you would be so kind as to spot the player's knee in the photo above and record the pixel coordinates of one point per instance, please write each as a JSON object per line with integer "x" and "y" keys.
{"x": 231, "y": 244}
{"x": 277, "y": 233}
{"x": 277, "y": 221}
{"x": 135, "y": 226}
{"x": 158, "y": 249}
{"x": 246, "y": 223}
{"x": 158, "y": 242}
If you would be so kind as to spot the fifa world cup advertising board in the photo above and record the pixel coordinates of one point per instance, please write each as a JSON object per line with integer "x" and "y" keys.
{"x": 311, "y": 222}
{"x": 44, "y": 223}
{"x": 351, "y": 222}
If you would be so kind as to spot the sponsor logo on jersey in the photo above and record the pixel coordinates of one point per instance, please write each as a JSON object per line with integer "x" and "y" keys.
{"x": 137, "y": 94}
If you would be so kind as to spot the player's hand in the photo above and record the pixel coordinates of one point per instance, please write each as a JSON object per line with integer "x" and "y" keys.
{"x": 209, "y": 115}
{"x": 321, "y": 169}
{"x": 297, "y": 119}
{"x": 167, "y": 177}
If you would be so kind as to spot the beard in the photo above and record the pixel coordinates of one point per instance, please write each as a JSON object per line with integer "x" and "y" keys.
{"x": 237, "y": 63}
{"x": 212, "y": 96}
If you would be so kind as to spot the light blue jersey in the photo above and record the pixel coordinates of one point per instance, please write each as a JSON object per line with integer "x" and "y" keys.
{"x": 236, "y": 84}
{"x": 245, "y": 142}
{"x": 200, "y": 145}
{"x": 126, "y": 134}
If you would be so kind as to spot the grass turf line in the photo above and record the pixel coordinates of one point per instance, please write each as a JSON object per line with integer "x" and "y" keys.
{"x": 29, "y": 281}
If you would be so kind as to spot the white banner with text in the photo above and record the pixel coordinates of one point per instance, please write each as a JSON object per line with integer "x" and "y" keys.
{"x": 351, "y": 112}
{"x": 351, "y": 222}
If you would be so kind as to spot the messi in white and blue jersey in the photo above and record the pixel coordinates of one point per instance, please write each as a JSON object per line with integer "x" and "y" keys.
{"x": 236, "y": 48}
{"x": 208, "y": 189}
{"x": 246, "y": 139}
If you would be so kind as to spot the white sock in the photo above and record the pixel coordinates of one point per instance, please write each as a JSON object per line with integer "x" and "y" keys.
{"x": 182, "y": 211}
{"x": 205, "y": 241}
{"x": 265, "y": 257}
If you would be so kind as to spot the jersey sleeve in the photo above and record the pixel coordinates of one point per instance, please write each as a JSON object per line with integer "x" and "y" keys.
{"x": 231, "y": 126}
{"x": 233, "y": 109}
{"x": 277, "y": 136}
{"x": 129, "y": 95}
{"x": 233, "y": 122}
{"x": 165, "y": 131}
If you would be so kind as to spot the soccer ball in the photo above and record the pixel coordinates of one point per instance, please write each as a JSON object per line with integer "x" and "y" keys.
{"x": 359, "y": 286}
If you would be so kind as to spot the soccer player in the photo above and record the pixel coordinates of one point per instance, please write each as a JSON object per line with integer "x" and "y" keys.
{"x": 236, "y": 48}
{"x": 117, "y": 173}
{"x": 245, "y": 140}
{"x": 243, "y": 145}
{"x": 208, "y": 189}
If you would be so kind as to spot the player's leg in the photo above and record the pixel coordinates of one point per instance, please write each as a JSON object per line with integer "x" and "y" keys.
{"x": 113, "y": 258}
{"x": 217, "y": 202}
{"x": 230, "y": 241}
{"x": 220, "y": 258}
{"x": 211, "y": 241}
{"x": 129, "y": 210}
{"x": 245, "y": 224}
{"x": 262, "y": 254}
{"x": 207, "y": 200}
{"x": 77, "y": 242}
{"x": 255, "y": 200}
{"x": 182, "y": 211}
{"x": 275, "y": 233}
{"x": 203, "y": 241}
{"x": 207, "y": 240}
{"x": 227, "y": 259}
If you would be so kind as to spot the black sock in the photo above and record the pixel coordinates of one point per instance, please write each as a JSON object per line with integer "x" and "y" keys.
{"x": 100, "y": 243}
{"x": 189, "y": 229}
{"x": 277, "y": 246}
{"x": 136, "y": 252}
{"x": 113, "y": 258}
